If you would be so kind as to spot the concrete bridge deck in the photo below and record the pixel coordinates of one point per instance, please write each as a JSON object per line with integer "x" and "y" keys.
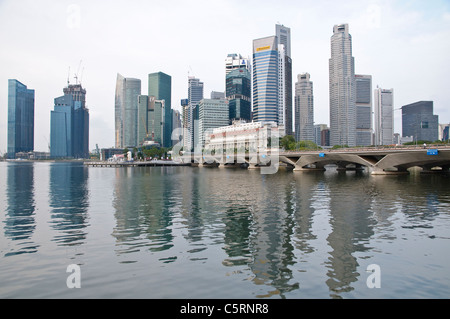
{"x": 379, "y": 161}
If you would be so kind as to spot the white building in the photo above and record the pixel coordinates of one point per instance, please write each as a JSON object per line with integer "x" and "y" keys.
{"x": 384, "y": 116}
{"x": 235, "y": 61}
{"x": 243, "y": 137}
{"x": 212, "y": 113}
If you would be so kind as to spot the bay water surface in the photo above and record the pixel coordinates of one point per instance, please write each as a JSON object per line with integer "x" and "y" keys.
{"x": 185, "y": 232}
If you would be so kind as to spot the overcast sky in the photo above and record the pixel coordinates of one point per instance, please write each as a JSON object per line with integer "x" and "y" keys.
{"x": 404, "y": 45}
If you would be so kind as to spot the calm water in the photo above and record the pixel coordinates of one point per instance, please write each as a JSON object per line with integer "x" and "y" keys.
{"x": 220, "y": 233}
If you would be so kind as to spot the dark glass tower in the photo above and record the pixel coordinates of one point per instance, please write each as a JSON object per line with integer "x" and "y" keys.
{"x": 238, "y": 93}
{"x": 419, "y": 121}
{"x": 160, "y": 86}
{"x": 20, "y": 118}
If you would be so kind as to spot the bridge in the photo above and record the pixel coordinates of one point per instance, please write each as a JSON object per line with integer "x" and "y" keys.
{"x": 379, "y": 161}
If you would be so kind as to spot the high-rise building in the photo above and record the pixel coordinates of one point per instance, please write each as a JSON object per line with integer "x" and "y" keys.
{"x": 238, "y": 94}
{"x": 419, "y": 121}
{"x": 126, "y": 111}
{"x": 195, "y": 95}
{"x": 342, "y": 88}
{"x": 265, "y": 79}
{"x": 322, "y": 134}
{"x": 444, "y": 130}
{"x": 20, "y": 118}
{"x": 212, "y": 113}
{"x": 236, "y": 61}
{"x": 283, "y": 35}
{"x": 69, "y": 124}
{"x": 364, "y": 127}
{"x": 160, "y": 86}
{"x": 384, "y": 116}
{"x": 304, "y": 108}
{"x": 176, "y": 122}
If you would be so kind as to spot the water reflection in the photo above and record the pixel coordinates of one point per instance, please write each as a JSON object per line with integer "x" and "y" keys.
{"x": 69, "y": 202}
{"x": 271, "y": 228}
{"x": 20, "y": 213}
{"x": 143, "y": 210}
{"x": 352, "y": 226}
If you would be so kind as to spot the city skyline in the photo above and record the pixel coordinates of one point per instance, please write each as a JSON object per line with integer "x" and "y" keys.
{"x": 385, "y": 45}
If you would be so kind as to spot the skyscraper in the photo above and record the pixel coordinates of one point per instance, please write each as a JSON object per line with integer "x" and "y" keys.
{"x": 419, "y": 121}
{"x": 69, "y": 124}
{"x": 265, "y": 79}
{"x": 236, "y": 61}
{"x": 283, "y": 35}
{"x": 160, "y": 86}
{"x": 126, "y": 111}
{"x": 195, "y": 95}
{"x": 342, "y": 88}
{"x": 212, "y": 113}
{"x": 364, "y": 125}
{"x": 304, "y": 108}
{"x": 238, "y": 93}
{"x": 20, "y": 118}
{"x": 384, "y": 116}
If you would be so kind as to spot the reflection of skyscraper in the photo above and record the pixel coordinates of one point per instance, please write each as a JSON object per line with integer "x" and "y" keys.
{"x": 69, "y": 134}
{"x": 352, "y": 225}
{"x": 126, "y": 111}
{"x": 342, "y": 88}
{"x": 20, "y": 118}
{"x": 19, "y": 223}
{"x": 69, "y": 196}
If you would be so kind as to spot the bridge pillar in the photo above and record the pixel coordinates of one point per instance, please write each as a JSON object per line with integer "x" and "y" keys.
{"x": 309, "y": 169}
{"x": 380, "y": 171}
{"x": 253, "y": 166}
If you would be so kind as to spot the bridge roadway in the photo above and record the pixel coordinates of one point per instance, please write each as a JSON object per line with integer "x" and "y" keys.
{"x": 379, "y": 161}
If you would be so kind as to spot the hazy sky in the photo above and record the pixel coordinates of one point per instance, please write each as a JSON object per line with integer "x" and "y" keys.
{"x": 404, "y": 45}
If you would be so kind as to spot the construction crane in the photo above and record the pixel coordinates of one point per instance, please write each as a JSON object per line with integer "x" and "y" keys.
{"x": 76, "y": 74}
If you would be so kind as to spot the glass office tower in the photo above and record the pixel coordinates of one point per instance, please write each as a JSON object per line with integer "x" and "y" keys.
{"x": 69, "y": 124}
{"x": 419, "y": 121}
{"x": 238, "y": 94}
{"x": 20, "y": 118}
{"x": 265, "y": 79}
{"x": 160, "y": 86}
{"x": 126, "y": 111}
